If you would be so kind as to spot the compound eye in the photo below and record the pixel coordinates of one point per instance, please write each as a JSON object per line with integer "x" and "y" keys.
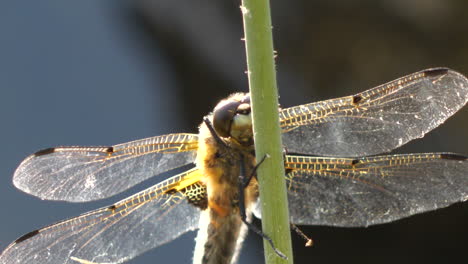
{"x": 223, "y": 115}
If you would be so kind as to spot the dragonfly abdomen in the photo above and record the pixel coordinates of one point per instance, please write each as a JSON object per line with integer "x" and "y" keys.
{"x": 219, "y": 238}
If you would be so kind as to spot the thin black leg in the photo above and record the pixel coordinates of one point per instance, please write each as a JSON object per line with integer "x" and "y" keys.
{"x": 213, "y": 133}
{"x": 247, "y": 179}
{"x": 309, "y": 241}
{"x": 241, "y": 200}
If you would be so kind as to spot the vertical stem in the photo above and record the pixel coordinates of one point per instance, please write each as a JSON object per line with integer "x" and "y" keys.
{"x": 264, "y": 98}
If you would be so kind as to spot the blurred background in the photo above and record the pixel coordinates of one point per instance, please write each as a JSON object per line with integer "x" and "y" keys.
{"x": 105, "y": 72}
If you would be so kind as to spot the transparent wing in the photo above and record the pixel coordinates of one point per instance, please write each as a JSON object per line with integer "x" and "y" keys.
{"x": 79, "y": 174}
{"x": 373, "y": 190}
{"x": 119, "y": 232}
{"x": 377, "y": 120}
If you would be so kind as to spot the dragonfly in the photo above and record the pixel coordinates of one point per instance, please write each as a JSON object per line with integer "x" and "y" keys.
{"x": 337, "y": 169}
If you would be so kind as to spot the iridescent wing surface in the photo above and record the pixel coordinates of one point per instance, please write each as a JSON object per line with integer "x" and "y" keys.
{"x": 79, "y": 174}
{"x": 372, "y": 190}
{"x": 118, "y": 232}
{"x": 378, "y": 120}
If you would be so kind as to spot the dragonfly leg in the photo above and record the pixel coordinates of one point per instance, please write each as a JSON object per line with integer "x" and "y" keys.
{"x": 246, "y": 180}
{"x": 309, "y": 241}
{"x": 241, "y": 201}
{"x": 213, "y": 133}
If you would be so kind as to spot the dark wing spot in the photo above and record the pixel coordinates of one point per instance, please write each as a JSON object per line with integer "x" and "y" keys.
{"x": 452, "y": 156}
{"x": 357, "y": 99}
{"x": 110, "y": 150}
{"x": 435, "y": 72}
{"x": 354, "y": 162}
{"x": 44, "y": 152}
{"x": 27, "y": 236}
{"x": 112, "y": 208}
{"x": 287, "y": 171}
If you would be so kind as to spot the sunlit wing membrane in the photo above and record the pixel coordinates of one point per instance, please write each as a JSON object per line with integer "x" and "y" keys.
{"x": 373, "y": 190}
{"x": 79, "y": 174}
{"x": 378, "y": 120}
{"x": 119, "y": 232}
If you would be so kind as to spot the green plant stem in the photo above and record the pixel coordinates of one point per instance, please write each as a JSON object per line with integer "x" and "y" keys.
{"x": 267, "y": 133}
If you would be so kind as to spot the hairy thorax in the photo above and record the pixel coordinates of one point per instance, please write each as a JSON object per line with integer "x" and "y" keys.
{"x": 221, "y": 167}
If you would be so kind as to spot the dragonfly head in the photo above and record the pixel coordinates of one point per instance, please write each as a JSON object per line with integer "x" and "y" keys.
{"x": 231, "y": 118}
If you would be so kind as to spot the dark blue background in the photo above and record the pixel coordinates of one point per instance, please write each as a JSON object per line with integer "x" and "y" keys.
{"x": 75, "y": 73}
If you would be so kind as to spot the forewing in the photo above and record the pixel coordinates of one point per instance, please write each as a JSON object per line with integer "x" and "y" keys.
{"x": 374, "y": 190}
{"x": 119, "y": 232}
{"x": 378, "y": 120}
{"x": 79, "y": 174}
